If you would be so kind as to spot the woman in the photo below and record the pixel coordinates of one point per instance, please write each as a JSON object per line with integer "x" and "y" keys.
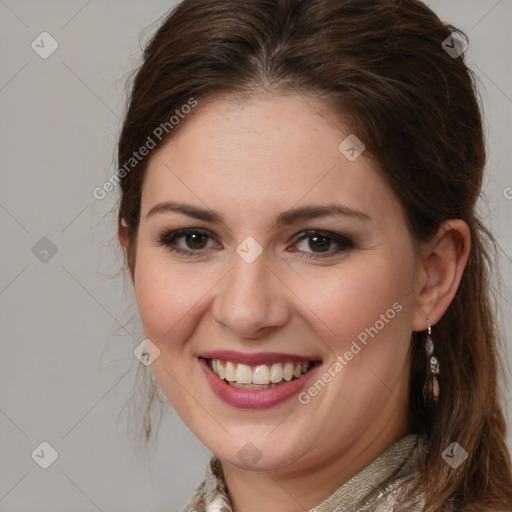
{"x": 299, "y": 180}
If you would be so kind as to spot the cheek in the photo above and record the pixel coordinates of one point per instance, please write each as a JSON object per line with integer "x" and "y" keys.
{"x": 166, "y": 300}
{"x": 169, "y": 298}
{"x": 156, "y": 289}
{"x": 363, "y": 301}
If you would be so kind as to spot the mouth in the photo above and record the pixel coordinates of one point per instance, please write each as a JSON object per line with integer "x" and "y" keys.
{"x": 258, "y": 377}
{"x": 257, "y": 381}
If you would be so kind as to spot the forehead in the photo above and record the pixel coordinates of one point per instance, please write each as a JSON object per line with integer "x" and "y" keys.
{"x": 268, "y": 150}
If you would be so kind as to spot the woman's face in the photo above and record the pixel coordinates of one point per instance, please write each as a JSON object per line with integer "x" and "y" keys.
{"x": 297, "y": 258}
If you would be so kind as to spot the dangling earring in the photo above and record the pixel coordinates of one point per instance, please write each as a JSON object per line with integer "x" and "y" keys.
{"x": 431, "y": 387}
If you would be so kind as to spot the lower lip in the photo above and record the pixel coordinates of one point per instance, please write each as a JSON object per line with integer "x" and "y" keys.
{"x": 255, "y": 398}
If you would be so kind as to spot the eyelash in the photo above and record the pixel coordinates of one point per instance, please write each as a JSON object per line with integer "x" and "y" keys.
{"x": 344, "y": 244}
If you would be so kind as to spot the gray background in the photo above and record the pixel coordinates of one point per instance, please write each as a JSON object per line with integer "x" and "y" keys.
{"x": 68, "y": 326}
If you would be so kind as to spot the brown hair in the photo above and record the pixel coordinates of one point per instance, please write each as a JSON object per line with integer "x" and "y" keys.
{"x": 381, "y": 67}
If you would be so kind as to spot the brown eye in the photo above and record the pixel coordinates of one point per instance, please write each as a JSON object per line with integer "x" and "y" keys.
{"x": 319, "y": 243}
{"x": 191, "y": 242}
{"x": 196, "y": 240}
{"x": 322, "y": 244}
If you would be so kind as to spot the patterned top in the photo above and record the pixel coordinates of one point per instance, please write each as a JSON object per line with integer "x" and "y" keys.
{"x": 388, "y": 484}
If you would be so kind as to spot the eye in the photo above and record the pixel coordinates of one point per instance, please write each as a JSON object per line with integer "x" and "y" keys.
{"x": 323, "y": 244}
{"x": 194, "y": 240}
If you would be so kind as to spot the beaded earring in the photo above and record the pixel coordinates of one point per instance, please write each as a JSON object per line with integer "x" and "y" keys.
{"x": 431, "y": 387}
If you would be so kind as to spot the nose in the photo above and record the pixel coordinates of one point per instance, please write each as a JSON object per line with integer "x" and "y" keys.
{"x": 251, "y": 299}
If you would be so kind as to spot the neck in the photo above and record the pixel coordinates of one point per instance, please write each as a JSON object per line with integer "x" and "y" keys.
{"x": 304, "y": 489}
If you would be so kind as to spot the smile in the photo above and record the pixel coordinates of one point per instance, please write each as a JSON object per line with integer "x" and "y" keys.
{"x": 262, "y": 376}
{"x": 256, "y": 381}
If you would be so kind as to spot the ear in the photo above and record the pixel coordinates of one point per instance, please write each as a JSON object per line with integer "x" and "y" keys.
{"x": 122, "y": 233}
{"x": 124, "y": 240}
{"x": 443, "y": 262}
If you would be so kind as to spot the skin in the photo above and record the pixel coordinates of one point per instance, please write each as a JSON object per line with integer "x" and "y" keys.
{"x": 250, "y": 160}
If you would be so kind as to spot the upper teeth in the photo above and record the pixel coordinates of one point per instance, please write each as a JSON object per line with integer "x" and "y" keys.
{"x": 261, "y": 374}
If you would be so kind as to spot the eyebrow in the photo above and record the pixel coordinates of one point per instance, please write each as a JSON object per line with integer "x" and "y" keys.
{"x": 285, "y": 218}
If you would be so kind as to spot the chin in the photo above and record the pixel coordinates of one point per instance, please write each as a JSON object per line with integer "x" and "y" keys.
{"x": 255, "y": 450}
